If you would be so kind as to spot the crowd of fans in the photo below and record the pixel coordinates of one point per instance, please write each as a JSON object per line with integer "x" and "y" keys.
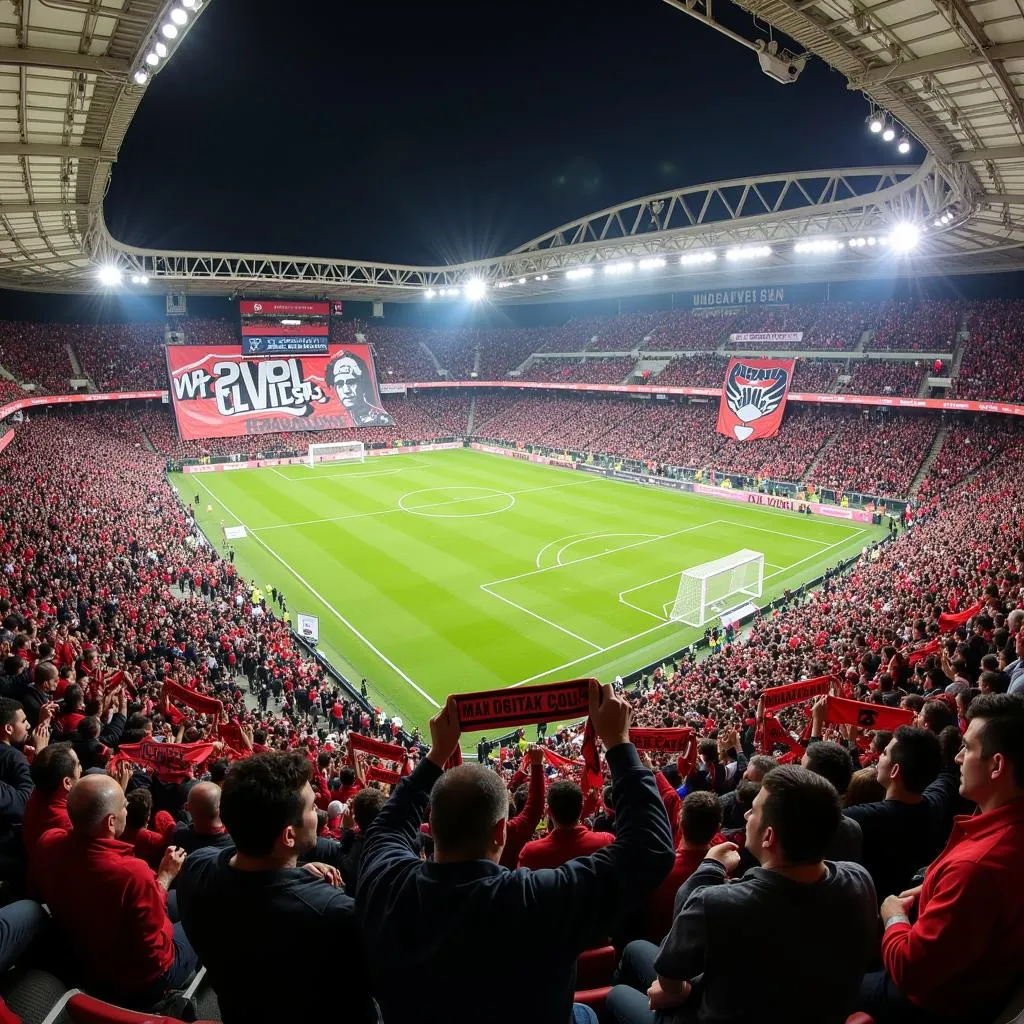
{"x": 118, "y": 621}
{"x": 991, "y": 366}
{"x": 695, "y": 371}
{"x": 926, "y": 326}
{"x": 580, "y": 371}
{"x": 877, "y": 377}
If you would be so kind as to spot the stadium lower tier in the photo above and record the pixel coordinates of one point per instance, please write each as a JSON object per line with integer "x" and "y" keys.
{"x": 114, "y": 604}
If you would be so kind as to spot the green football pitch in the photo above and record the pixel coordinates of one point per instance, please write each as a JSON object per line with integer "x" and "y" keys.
{"x": 456, "y": 570}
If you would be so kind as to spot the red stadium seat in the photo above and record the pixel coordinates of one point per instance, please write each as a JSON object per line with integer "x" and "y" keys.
{"x": 594, "y": 998}
{"x": 860, "y": 1018}
{"x": 595, "y": 967}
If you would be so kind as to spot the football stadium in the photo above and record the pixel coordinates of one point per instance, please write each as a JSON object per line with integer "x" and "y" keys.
{"x": 403, "y": 597}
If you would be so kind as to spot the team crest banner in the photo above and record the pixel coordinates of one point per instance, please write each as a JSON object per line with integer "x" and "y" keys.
{"x": 219, "y": 392}
{"x": 754, "y": 398}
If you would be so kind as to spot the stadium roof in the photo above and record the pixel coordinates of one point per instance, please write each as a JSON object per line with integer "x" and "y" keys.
{"x": 950, "y": 71}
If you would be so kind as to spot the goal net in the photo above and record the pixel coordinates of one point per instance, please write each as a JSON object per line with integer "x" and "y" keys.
{"x": 713, "y": 588}
{"x": 340, "y": 451}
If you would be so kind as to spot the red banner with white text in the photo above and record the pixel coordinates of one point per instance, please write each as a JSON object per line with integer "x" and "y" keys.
{"x": 219, "y": 392}
{"x": 272, "y": 307}
{"x": 754, "y": 398}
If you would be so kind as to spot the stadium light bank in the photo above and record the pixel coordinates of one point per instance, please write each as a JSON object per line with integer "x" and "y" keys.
{"x": 165, "y": 39}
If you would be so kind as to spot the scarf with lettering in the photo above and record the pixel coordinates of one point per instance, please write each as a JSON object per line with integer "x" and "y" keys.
{"x": 840, "y": 711}
{"x": 795, "y": 693}
{"x": 170, "y": 762}
{"x": 770, "y": 733}
{"x": 528, "y": 705}
{"x": 680, "y": 741}
{"x": 385, "y": 775}
{"x": 948, "y": 621}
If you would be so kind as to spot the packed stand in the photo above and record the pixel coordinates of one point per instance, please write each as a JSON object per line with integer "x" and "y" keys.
{"x": 688, "y": 331}
{"x": 815, "y": 376}
{"x": 697, "y": 371}
{"x": 901, "y": 845}
{"x": 580, "y": 371}
{"x": 967, "y": 448}
{"x": 991, "y": 366}
{"x": 926, "y": 326}
{"x": 37, "y": 354}
{"x": 875, "y": 453}
{"x": 875, "y": 377}
{"x": 125, "y": 357}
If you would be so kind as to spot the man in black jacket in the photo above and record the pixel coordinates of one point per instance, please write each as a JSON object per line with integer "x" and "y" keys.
{"x": 15, "y": 778}
{"x": 422, "y": 920}
{"x": 256, "y": 890}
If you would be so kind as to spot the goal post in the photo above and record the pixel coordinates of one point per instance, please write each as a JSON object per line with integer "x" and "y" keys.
{"x": 713, "y": 588}
{"x": 340, "y": 451}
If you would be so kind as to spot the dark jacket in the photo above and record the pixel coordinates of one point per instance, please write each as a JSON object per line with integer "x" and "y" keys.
{"x": 308, "y": 924}
{"x": 189, "y": 840}
{"x": 900, "y": 839}
{"x": 422, "y": 921}
{"x": 15, "y": 789}
{"x": 775, "y": 915}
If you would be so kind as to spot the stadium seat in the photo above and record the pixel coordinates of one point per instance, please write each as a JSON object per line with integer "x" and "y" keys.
{"x": 860, "y": 1018}
{"x": 594, "y": 967}
{"x": 78, "y": 1008}
{"x": 594, "y": 998}
{"x": 31, "y": 995}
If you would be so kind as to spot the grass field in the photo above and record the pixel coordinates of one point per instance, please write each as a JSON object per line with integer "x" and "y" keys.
{"x": 457, "y": 570}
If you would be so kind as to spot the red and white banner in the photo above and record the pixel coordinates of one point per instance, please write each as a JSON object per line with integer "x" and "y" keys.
{"x": 219, "y": 392}
{"x": 271, "y": 307}
{"x": 754, "y": 398}
{"x": 773, "y": 338}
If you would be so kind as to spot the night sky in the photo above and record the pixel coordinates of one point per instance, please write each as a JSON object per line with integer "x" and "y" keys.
{"x": 437, "y": 133}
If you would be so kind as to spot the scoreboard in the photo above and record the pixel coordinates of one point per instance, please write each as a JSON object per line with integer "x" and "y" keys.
{"x": 276, "y": 327}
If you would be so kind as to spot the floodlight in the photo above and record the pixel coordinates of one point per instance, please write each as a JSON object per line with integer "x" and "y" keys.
{"x": 161, "y": 50}
{"x": 475, "y": 289}
{"x": 178, "y": 16}
{"x": 143, "y": 279}
{"x": 169, "y": 30}
{"x": 522, "y": 280}
{"x": 429, "y": 293}
{"x": 875, "y": 123}
{"x": 903, "y": 145}
{"x": 652, "y": 263}
{"x": 453, "y": 293}
{"x": 889, "y": 134}
{"x": 619, "y": 268}
{"x": 152, "y": 59}
{"x": 188, "y": 3}
{"x": 141, "y": 77}
{"x": 701, "y": 256}
{"x": 904, "y": 237}
{"x": 109, "y": 276}
{"x": 579, "y": 272}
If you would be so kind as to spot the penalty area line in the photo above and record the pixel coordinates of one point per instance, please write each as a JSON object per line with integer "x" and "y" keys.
{"x": 334, "y": 611}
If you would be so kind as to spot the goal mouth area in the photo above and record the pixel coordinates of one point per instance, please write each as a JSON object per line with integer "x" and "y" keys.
{"x": 713, "y": 589}
{"x": 338, "y": 451}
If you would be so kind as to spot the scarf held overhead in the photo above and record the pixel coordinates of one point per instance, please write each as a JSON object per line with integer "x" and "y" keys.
{"x": 795, "y": 693}
{"x": 170, "y": 762}
{"x": 840, "y": 711}
{"x": 197, "y": 701}
{"x": 375, "y": 748}
{"x": 529, "y": 705}
{"x": 680, "y": 741}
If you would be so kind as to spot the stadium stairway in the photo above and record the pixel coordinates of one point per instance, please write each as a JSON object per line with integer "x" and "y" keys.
{"x": 7, "y": 375}
{"x": 818, "y": 455}
{"x": 76, "y": 368}
{"x": 441, "y": 371}
{"x": 929, "y": 459}
{"x": 864, "y": 340}
{"x": 471, "y": 415}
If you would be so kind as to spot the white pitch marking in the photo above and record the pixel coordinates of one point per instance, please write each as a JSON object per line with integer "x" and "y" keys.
{"x": 541, "y": 618}
{"x": 389, "y": 511}
{"x": 334, "y": 611}
{"x": 595, "y": 536}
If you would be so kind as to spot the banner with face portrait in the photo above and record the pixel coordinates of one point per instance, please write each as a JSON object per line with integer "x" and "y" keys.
{"x": 219, "y": 392}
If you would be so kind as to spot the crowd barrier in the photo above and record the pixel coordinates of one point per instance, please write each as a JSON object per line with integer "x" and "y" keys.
{"x": 225, "y": 466}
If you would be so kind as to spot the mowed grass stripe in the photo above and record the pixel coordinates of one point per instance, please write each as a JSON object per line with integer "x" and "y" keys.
{"x": 411, "y": 584}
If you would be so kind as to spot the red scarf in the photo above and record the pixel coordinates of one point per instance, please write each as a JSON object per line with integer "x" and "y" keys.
{"x": 920, "y": 653}
{"x": 795, "y": 693}
{"x": 840, "y": 711}
{"x": 680, "y": 741}
{"x": 769, "y": 733}
{"x": 170, "y": 762}
{"x": 190, "y": 698}
{"x": 949, "y": 621}
{"x": 385, "y": 775}
{"x": 527, "y": 705}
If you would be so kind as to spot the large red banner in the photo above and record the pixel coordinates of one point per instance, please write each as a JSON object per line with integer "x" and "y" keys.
{"x": 754, "y": 397}
{"x": 271, "y": 307}
{"x": 284, "y": 330}
{"x": 218, "y": 392}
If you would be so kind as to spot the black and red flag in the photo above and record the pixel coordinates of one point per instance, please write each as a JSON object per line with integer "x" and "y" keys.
{"x": 754, "y": 397}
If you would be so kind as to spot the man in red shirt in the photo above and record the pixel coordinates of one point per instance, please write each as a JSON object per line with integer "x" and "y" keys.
{"x": 108, "y": 905}
{"x": 55, "y": 769}
{"x": 953, "y": 947}
{"x": 525, "y": 823}
{"x": 701, "y": 818}
{"x": 568, "y": 839}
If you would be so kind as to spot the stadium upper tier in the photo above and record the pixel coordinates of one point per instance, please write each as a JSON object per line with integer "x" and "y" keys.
{"x": 853, "y": 348}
